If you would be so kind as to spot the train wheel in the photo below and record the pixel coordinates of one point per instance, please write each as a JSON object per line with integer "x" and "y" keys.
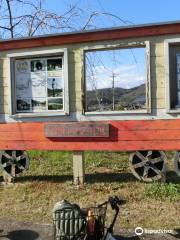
{"x": 148, "y": 166}
{"x": 177, "y": 163}
{"x": 13, "y": 163}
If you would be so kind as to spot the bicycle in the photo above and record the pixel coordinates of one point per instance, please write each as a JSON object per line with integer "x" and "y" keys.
{"x": 73, "y": 223}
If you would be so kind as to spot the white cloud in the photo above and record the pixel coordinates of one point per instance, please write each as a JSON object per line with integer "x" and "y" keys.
{"x": 125, "y": 76}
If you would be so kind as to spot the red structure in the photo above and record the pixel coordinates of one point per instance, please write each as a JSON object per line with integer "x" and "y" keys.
{"x": 148, "y": 133}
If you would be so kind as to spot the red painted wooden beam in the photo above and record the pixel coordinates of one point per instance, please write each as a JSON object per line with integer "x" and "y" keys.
{"x": 92, "y": 36}
{"x": 123, "y": 136}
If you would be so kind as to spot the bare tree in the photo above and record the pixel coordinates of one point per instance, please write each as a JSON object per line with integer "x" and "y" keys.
{"x": 30, "y": 17}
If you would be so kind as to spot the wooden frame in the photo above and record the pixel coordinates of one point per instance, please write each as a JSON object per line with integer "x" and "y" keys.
{"x": 167, "y": 44}
{"x": 130, "y": 45}
{"x": 40, "y": 53}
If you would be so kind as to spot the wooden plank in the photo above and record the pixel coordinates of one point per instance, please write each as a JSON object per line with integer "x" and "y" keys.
{"x": 115, "y": 135}
{"x": 92, "y": 146}
{"x": 92, "y": 36}
{"x": 123, "y": 125}
{"x": 123, "y": 136}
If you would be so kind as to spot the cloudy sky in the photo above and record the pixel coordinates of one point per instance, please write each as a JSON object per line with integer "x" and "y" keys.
{"x": 127, "y": 66}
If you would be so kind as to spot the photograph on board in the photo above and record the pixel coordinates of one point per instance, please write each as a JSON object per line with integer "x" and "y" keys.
{"x": 23, "y": 104}
{"x": 54, "y": 64}
{"x": 54, "y": 67}
{"x": 38, "y": 65}
{"x": 55, "y": 87}
{"x": 55, "y": 104}
{"x": 38, "y": 104}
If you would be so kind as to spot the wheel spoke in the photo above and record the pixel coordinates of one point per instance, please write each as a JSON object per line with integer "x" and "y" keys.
{"x": 6, "y": 164}
{"x": 145, "y": 173}
{"x": 156, "y": 160}
{"x": 156, "y": 170}
{"x": 14, "y": 154}
{"x": 140, "y": 156}
{"x": 5, "y": 154}
{"x": 20, "y": 157}
{"x": 138, "y": 165}
{"x": 21, "y": 167}
{"x": 149, "y": 154}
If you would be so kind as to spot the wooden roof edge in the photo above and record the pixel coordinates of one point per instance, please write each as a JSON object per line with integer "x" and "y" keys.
{"x": 115, "y": 33}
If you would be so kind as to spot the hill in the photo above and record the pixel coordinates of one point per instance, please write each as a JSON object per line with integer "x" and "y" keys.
{"x": 123, "y": 98}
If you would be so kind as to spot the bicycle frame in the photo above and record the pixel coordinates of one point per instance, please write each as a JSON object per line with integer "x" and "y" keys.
{"x": 109, "y": 237}
{"x": 114, "y": 202}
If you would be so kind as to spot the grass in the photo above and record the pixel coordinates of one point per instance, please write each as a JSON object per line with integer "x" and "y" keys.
{"x": 162, "y": 191}
{"x": 49, "y": 179}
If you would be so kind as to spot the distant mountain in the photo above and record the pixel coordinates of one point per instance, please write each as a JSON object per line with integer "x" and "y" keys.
{"x": 122, "y": 96}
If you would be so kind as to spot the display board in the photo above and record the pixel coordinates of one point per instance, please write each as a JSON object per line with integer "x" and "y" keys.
{"x": 39, "y": 84}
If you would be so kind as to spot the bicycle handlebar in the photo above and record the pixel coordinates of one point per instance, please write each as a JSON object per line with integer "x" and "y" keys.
{"x": 115, "y": 202}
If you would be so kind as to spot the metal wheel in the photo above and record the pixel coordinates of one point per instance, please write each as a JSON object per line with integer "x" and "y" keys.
{"x": 177, "y": 163}
{"x": 148, "y": 166}
{"x": 13, "y": 162}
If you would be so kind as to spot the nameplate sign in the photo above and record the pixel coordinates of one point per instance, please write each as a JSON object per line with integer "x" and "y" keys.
{"x": 77, "y": 130}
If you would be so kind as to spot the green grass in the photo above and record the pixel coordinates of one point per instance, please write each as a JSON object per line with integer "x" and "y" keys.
{"x": 49, "y": 179}
{"x": 162, "y": 191}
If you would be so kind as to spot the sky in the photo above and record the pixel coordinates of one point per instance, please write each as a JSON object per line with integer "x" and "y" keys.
{"x": 135, "y": 11}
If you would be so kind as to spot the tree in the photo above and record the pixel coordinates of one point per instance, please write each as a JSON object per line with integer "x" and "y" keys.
{"x": 30, "y": 17}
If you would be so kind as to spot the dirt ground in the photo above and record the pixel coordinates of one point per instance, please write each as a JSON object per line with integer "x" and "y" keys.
{"x": 10, "y": 230}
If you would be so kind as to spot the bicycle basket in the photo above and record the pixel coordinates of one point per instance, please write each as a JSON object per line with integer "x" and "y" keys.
{"x": 69, "y": 222}
{"x": 97, "y": 219}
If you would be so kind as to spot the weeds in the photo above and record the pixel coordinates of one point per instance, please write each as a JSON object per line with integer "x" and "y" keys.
{"x": 162, "y": 191}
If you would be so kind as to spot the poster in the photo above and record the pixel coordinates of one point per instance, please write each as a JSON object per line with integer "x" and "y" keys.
{"x": 39, "y": 84}
{"x": 23, "y": 79}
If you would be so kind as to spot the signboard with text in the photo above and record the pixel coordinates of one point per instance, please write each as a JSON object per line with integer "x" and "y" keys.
{"x": 77, "y": 130}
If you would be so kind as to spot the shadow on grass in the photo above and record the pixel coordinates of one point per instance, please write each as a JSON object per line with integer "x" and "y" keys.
{"x": 89, "y": 178}
{"x": 21, "y": 235}
{"x": 95, "y": 178}
{"x": 110, "y": 177}
{"x": 172, "y": 177}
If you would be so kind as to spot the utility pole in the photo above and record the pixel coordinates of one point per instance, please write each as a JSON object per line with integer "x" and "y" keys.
{"x": 113, "y": 97}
